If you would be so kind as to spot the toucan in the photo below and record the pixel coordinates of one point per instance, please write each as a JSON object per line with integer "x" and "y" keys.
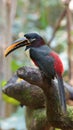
{"x": 45, "y": 58}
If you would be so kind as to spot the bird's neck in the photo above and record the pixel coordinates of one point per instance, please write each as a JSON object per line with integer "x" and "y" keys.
{"x": 38, "y": 43}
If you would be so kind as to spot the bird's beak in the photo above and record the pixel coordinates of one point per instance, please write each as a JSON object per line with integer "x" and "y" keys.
{"x": 17, "y": 44}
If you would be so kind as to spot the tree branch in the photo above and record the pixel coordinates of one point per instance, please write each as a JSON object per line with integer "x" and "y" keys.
{"x": 26, "y": 93}
{"x": 30, "y": 95}
{"x": 57, "y": 25}
{"x": 63, "y": 14}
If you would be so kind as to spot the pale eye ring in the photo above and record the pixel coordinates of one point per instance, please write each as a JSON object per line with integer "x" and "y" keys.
{"x": 33, "y": 39}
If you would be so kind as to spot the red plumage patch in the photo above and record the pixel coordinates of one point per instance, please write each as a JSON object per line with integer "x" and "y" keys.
{"x": 58, "y": 65}
{"x": 35, "y": 62}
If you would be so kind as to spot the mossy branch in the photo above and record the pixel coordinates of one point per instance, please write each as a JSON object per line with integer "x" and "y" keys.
{"x": 28, "y": 91}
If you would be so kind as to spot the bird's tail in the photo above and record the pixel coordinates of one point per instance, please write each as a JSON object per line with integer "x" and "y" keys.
{"x": 62, "y": 93}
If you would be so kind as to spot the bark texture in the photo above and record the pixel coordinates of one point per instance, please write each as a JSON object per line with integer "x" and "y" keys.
{"x": 32, "y": 89}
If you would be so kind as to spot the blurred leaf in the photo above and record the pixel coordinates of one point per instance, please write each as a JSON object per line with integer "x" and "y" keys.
{"x": 54, "y": 2}
{"x": 10, "y": 100}
{"x": 3, "y": 83}
{"x": 14, "y": 65}
{"x": 59, "y": 48}
{"x": 43, "y": 20}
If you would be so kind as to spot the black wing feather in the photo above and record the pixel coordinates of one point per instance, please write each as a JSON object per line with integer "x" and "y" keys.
{"x": 44, "y": 62}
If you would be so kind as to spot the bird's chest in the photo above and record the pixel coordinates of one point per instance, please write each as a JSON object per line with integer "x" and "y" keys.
{"x": 37, "y": 55}
{"x": 34, "y": 56}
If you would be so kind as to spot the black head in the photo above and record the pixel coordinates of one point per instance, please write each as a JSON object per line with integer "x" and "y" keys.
{"x": 29, "y": 40}
{"x": 35, "y": 39}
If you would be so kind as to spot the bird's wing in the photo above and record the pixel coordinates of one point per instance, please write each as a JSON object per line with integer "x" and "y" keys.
{"x": 45, "y": 63}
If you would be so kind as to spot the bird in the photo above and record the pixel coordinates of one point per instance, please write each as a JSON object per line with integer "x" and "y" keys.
{"x": 47, "y": 60}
